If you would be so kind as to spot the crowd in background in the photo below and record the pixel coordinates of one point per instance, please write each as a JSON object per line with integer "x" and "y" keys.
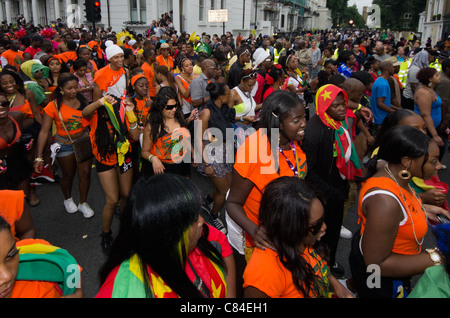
{"x": 133, "y": 107}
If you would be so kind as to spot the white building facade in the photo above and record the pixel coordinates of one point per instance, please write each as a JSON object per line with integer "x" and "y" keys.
{"x": 245, "y": 16}
{"x": 431, "y": 21}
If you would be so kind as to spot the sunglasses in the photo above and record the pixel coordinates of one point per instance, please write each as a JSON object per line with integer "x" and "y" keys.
{"x": 315, "y": 228}
{"x": 170, "y": 107}
{"x": 5, "y": 103}
{"x": 252, "y": 75}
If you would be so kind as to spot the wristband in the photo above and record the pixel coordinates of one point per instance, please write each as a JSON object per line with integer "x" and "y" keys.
{"x": 135, "y": 126}
{"x": 359, "y": 107}
{"x": 150, "y": 158}
{"x": 241, "y": 119}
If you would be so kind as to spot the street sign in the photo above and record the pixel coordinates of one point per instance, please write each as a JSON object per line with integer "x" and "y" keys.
{"x": 218, "y": 15}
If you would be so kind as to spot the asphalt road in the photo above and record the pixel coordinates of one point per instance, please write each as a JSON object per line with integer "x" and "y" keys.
{"x": 81, "y": 237}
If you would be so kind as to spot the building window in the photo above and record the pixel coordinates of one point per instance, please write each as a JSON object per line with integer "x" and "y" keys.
{"x": 213, "y": 4}
{"x": 201, "y": 7}
{"x": 407, "y": 16}
{"x": 138, "y": 10}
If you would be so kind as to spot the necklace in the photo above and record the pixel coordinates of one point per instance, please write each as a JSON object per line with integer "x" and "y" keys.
{"x": 389, "y": 172}
{"x": 294, "y": 168}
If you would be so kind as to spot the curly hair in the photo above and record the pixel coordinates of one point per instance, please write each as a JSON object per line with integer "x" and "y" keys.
{"x": 425, "y": 74}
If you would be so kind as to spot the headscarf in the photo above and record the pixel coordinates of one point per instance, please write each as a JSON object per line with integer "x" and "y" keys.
{"x": 29, "y": 68}
{"x": 347, "y": 160}
{"x": 26, "y": 73}
{"x": 91, "y": 45}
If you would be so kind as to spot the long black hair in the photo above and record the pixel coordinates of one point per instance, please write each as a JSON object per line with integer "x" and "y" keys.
{"x": 154, "y": 225}
{"x": 284, "y": 213}
{"x": 105, "y": 140}
{"x": 156, "y": 118}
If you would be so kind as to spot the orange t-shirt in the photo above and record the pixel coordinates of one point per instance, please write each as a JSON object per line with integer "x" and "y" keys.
{"x": 150, "y": 74}
{"x": 73, "y": 119}
{"x": 35, "y": 289}
{"x": 25, "y": 109}
{"x": 186, "y": 86}
{"x": 141, "y": 110}
{"x": 13, "y": 58}
{"x": 265, "y": 272}
{"x": 161, "y": 61}
{"x": 106, "y": 77}
{"x": 11, "y": 207}
{"x": 404, "y": 243}
{"x": 255, "y": 163}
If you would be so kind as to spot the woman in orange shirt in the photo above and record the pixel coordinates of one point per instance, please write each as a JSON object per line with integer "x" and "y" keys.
{"x": 69, "y": 102}
{"x": 392, "y": 216}
{"x": 274, "y": 150}
{"x": 142, "y": 103}
{"x": 23, "y": 100}
{"x": 55, "y": 66}
{"x": 165, "y": 137}
{"x": 111, "y": 122}
{"x": 297, "y": 266}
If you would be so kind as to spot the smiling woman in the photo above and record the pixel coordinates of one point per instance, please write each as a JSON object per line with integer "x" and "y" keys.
{"x": 283, "y": 116}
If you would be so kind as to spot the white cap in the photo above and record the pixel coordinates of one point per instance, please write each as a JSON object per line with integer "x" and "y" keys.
{"x": 112, "y": 49}
{"x": 131, "y": 42}
{"x": 260, "y": 55}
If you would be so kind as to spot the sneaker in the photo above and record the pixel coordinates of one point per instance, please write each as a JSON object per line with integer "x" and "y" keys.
{"x": 70, "y": 206}
{"x": 338, "y": 271}
{"x": 86, "y": 210}
{"x": 44, "y": 176}
{"x": 346, "y": 233}
{"x": 217, "y": 223}
{"x": 106, "y": 242}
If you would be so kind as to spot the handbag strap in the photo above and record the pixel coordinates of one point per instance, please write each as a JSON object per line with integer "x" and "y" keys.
{"x": 62, "y": 121}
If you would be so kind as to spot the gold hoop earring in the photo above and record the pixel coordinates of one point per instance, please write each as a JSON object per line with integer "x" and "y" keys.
{"x": 404, "y": 174}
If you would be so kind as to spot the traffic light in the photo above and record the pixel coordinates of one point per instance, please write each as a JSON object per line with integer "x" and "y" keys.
{"x": 89, "y": 8}
{"x": 98, "y": 11}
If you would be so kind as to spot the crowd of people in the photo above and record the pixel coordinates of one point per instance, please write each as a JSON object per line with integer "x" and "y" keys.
{"x": 292, "y": 131}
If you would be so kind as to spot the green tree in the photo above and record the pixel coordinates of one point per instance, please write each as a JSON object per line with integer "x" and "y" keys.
{"x": 341, "y": 14}
{"x": 392, "y": 13}
{"x": 337, "y": 8}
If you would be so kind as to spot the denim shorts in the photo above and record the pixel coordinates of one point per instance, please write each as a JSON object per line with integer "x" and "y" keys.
{"x": 65, "y": 150}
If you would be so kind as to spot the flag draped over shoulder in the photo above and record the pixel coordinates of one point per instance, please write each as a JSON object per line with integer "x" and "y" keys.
{"x": 123, "y": 145}
{"x": 40, "y": 261}
{"x": 347, "y": 160}
{"x": 129, "y": 281}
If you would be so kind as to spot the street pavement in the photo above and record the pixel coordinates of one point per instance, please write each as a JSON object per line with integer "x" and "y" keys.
{"x": 81, "y": 237}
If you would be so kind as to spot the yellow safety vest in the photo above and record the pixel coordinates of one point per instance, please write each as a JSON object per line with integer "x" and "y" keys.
{"x": 403, "y": 72}
{"x": 436, "y": 65}
{"x": 276, "y": 55}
